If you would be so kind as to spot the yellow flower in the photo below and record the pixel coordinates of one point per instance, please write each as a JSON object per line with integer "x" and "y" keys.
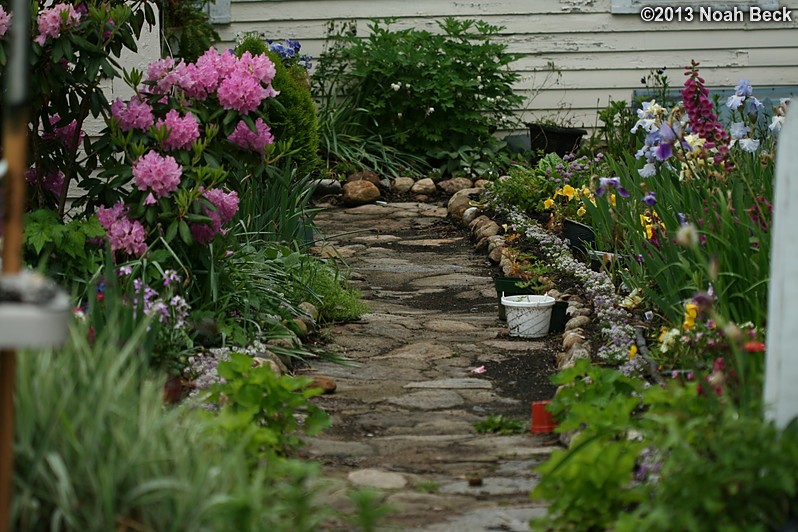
{"x": 585, "y": 191}
{"x": 612, "y": 199}
{"x": 690, "y": 314}
{"x": 632, "y": 352}
{"x": 568, "y": 191}
{"x": 548, "y": 203}
{"x": 649, "y": 231}
{"x": 581, "y": 211}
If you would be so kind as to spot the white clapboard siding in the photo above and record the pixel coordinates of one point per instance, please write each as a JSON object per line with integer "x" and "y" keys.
{"x": 601, "y": 55}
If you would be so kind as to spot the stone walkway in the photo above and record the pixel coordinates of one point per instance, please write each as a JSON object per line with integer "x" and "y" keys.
{"x": 403, "y": 419}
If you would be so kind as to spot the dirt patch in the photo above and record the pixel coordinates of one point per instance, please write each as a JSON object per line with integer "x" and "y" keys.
{"x": 525, "y": 376}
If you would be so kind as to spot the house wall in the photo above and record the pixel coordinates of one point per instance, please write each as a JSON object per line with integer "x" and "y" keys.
{"x": 601, "y": 55}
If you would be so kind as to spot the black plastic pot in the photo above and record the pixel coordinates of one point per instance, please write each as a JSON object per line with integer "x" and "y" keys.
{"x": 559, "y": 140}
{"x": 558, "y": 317}
{"x": 507, "y": 286}
{"x": 579, "y": 235}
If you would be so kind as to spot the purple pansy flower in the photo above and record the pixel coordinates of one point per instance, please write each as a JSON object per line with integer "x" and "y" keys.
{"x": 650, "y": 199}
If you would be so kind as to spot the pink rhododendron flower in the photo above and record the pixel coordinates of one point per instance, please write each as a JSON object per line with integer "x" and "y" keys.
{"x": 5, "y": 21}
{"x": 53, "y": 19}
{"x": 226, "y": 207}
{"x": 135, "y": 114}
{"x": 181, "y": 131}
{"x": 52, "y": 182}
{"x": 165, "y": 74}
{"x": 260, "y": 66}
{"x": 249, "y": 140}
{"x": 159, "y": 174}
{"x": 242, "y": 92}
{"x": 66, "y": 134}
{"x": 124, "y": 234}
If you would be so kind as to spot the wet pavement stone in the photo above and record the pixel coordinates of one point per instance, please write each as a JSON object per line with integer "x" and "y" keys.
{"x": 403, "y": 415}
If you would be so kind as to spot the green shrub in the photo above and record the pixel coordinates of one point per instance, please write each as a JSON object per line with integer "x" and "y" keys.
{"x": 424, "y": 93}
{"x": 292, "y": 115}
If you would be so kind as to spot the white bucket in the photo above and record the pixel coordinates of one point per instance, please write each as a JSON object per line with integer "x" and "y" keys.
{"x": 528, "y": 316}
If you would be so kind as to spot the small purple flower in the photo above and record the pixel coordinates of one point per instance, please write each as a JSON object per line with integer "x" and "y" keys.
{"x": 169, "y": 277}
{"x": 611, "y": 182}
{"x": 650, "y": 199}
{"x": 682, "y": 218}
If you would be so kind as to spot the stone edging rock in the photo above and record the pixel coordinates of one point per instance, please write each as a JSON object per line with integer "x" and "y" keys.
{"x": 486, "y": 234}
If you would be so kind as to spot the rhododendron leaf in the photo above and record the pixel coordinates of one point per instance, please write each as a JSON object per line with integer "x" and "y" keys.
{"x": 185, "y": 233}
{"x": 149, "y": 215}
{"x": 198, "y": 218}
{"x": 250, "y": 123}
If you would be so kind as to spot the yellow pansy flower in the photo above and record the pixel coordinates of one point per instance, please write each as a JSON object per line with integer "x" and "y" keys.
{"x": 649, "y": 231}
{"x": 632, "y": 352}
{"x": 581, "y": 211}
{"x": 568, "y": 191}
{"x": 612, "y": 199}
{"x": 585, "y": 191}
{"x": 548, "y": 203}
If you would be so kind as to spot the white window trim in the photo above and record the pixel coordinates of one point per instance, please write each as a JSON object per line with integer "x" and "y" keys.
{"x": 628, "y": 7}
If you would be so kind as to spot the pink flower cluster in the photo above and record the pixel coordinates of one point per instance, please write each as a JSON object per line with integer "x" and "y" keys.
{"x": 181, "y": 131}
{"x": 135, "y": 114}
{"x": 66, "y": 134}
{"x": 703, "y": 120}
{"x": 239, "y": 83}
{"x": 53, "y": 19}
{"x": 157, "y": 173}
{"x": 5, "y": 21}
{"x": 226, "y": 207}
{"x": 244, "y": 137}
{"x": 52, "y": 182}
{"x": 123, "y": 233}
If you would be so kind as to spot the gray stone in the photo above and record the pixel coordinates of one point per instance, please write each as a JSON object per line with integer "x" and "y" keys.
{"x": 377, "y": 239}
{"x": 481, "y": 519}
{"x": 453, "y": 384}
{"x": 450, "y": 186}
{"x": 310, "y": 309}
{"x": 322, "y": 447}
{"x": 424, "y": 186}
{"x": 449, "y": 326}
{"x": 327, "y": 187}
{"x": 402, "y": 184}
{"x": 360, "y": 192}
{"x": 520, "y": 345}
{"x": 461, "y": 201}
{"x": 495, "y": 241}
{"x": 491, "y": 486}
{"x": 470, "y": 214}
{"x": 577, "y": 322}
{"x": 482, "y": 183}
{"x": 374, "y": 478}
{"x": 430, "y": 242}
{"x": 495, "y": 255}
{"x": 420, "y": 351}
{"x": 371, "y": 210}
{"x": 448, "y": 280}
{"x": 364, "y": 175}
{"x": 572, "y": 338}
{"x": 428, "y": 400}
{"x": 487, "y": 230}
{"x": 385, "y": 184}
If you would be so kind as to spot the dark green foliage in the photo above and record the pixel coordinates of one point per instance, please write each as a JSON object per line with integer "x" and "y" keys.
{"x": 423, "y": 92}
{"x": 187, "y": 30}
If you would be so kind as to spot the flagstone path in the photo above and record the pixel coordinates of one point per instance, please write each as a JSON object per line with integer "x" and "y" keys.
{"x": 403, "y": 418}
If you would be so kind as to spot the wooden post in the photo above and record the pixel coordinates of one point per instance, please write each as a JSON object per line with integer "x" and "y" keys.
{"x": 15, "y": 151}
{"x": 781, "y": 364}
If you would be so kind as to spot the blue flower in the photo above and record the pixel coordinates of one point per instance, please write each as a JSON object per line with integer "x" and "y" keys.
{"x": 744, "y": 88}
{"x": 650, "y": 199}
{"x": 739, "y": 130}
{"x": 735, "y": 101}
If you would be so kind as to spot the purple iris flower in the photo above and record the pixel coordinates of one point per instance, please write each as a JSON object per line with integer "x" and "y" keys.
{"x": 611, "y": 182}
{"x": 682, "y": 218}
{"x": 650, "y": 199}
{"x": 663, "y": 152}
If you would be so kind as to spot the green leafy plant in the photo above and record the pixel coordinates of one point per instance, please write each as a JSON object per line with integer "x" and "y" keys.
{"x": 336, "y": 300}
{"x": 63, "y": 250}
{"x": 424, "y": 92}
{"x": 500, "y": 425}
{"x": 187, "y": 29}
{"x": 95, "y": 449}
{"x": 262, "y": 407}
